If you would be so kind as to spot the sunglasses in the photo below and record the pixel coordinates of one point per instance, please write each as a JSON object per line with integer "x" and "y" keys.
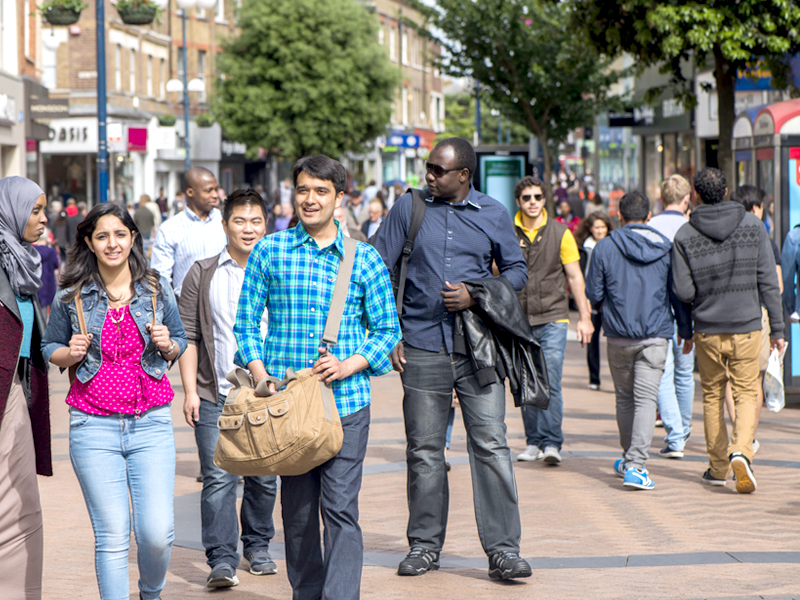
{"x": 438, "y": 171}
{"x": 537, "y": 197}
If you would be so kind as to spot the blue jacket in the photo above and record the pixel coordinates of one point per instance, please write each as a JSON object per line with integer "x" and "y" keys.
{"x": 790, "y": 267}
{"x": 630, "y": 273}
{"x": 63, "y": 325}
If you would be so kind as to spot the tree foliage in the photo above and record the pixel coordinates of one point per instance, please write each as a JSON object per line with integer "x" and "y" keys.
{"x": 459, "y": 121}
{"x": 302, "y": 79}
{"x": 530, "y": 66}
{"x": 729, "y": 35}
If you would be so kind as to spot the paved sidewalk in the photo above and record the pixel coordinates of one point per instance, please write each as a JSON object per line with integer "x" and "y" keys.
{"x": 586, "y": 536}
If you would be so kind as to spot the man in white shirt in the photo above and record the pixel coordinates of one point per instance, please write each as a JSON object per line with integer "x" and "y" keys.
{"x": 193, "y": 234}
{"x": 676, "y": 392}
{"x": 208, "y": 310}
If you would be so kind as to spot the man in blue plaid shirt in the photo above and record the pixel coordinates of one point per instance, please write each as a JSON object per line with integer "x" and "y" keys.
{"x": 292, "y": 274}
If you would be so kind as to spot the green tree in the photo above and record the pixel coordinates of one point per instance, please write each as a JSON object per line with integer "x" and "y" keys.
{"x": 459, "y": 121}
{"x": 300, "y": 79}
{"x": 729, "y": 35}
{"x": 530, "y": 66}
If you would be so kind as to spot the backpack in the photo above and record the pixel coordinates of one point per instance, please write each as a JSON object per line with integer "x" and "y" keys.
{"x": 400, "y": 271}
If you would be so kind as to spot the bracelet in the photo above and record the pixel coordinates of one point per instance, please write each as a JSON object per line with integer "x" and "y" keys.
{"x": 168, "y": 352}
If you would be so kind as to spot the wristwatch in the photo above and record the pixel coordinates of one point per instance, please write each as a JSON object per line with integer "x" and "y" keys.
{"x": 171, "y": 348}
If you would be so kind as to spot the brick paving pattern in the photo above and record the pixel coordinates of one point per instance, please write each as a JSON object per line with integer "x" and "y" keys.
{"x": 586, "y": 536}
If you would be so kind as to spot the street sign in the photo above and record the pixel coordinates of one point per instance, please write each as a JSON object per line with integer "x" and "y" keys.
{"x": 402, "y": 140}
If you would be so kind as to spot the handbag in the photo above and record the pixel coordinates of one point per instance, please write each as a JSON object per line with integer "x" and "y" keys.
{"x": 294, "y": 430}
{"x": 73, "y": 370}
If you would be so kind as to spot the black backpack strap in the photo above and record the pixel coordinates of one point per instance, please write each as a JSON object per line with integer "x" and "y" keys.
{"x": 417, "y": 215}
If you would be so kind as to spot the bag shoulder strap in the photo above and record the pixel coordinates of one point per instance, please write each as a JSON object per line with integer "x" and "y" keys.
{"x": 153, "y": 300}
{"x": 418, "y": 207}
{"x": 331, "y": 334}
{"x": 79, "y": 310}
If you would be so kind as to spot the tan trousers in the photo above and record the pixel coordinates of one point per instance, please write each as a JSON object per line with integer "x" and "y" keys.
{"x": 21, "y": 533}
{"x": 739, "y": 354}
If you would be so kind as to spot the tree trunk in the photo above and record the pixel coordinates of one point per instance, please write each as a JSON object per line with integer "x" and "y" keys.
{"x": 725, "y": 76}
{"x": 547, "y": 175}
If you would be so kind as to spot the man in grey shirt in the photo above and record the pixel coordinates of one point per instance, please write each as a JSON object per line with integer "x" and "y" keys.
{"x": 676, "y": 392}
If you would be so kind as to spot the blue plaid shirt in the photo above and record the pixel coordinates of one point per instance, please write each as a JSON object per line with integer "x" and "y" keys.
{"x": 289, "y": 275}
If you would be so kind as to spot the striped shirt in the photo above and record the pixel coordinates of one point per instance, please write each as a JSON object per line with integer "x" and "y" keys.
{"x": 184, "y": 239}
{"x": 226, "y": 285}
{"x": 294, "y": 278}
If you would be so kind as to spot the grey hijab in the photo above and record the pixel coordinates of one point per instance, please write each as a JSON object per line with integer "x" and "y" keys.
{"x": 19, "y": 259}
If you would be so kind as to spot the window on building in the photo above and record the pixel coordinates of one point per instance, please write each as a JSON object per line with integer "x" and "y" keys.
{"x": 404, "y": 49}
{"x": 380, "y": 34}
{"x": 392, "y": 44}
{"x": 118, "y": 68}
{"x": 132, "y": 86}
{"x": 162, "y": 79}
{"x": 406, "y": 100}
{"x": 149, "y": 84}
{"x": 201, "y": 71}
{"x": 220, "y": 10}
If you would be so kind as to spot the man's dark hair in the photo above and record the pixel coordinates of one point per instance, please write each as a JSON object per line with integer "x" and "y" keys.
{"x": 634, "y": 207}
{"x": 526, "y": 182}
{"x": 749, "y": 196}
{"x": 710, "y": 184}
{"x": 355, "y": 193}
{"x": 243, "y": 197}
{"x": 321, "y": 167}
{"x": 194, "y": 175}
{"x": 464, "y": 153}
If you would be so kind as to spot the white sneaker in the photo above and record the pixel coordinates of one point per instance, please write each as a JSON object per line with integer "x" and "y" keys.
{"x": 550, "y": 456}
{"x": 531, "y": 453}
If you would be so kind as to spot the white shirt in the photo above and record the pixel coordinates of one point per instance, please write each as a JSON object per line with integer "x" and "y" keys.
{"x": 185, "y": 239}
{"x": 226, "y": 285}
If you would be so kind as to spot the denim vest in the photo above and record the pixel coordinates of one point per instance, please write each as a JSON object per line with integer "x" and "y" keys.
{"x": 63, "y": 325}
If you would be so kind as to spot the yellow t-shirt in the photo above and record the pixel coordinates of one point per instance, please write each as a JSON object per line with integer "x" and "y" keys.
{"x": 569, "y": 248}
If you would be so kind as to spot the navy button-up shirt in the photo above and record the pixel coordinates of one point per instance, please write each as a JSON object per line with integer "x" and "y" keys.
{"x": 456, "y": 242}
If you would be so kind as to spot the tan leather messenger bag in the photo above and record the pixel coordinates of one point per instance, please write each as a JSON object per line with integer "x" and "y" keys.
{"x": 297, "y": 428}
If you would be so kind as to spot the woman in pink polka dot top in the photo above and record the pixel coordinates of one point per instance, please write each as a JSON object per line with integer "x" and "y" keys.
{"x": 121, "y": 440}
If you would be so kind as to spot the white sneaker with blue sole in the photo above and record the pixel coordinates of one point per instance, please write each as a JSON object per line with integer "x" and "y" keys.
{"x": 638, "y": 479}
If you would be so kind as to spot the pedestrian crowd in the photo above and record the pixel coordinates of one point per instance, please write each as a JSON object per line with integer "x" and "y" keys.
{"x": 447, "y": 288}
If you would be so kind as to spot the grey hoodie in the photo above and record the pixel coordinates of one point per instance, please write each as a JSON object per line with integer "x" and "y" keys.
{"x": 721, "y": 264}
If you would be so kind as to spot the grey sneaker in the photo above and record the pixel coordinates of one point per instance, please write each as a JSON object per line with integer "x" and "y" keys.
{"x": 418, "y": 562}
{"x": 222, "y": 575}
{"x": 551, "y": 456}
{"x": 531, "y": 453}
{"x": 261, "y": 562}
{"x": 508, "y": 565}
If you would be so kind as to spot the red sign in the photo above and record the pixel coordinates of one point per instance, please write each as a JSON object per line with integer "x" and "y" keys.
{"x": 137, "y": 139}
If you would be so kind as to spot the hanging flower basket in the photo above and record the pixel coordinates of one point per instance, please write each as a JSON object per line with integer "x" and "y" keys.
{"x": 138, "y": 14}
{"x": 60, "y": 15}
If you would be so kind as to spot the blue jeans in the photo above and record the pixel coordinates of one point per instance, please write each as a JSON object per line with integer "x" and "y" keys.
{"x": 330, "y": 489}
{"x": 220, "y": 527}
{"x": 113, "y": 456}
{"x": 428, "y": 382}
{"x": 450, "y": 421}
{"x": 543, "y": 427}
{"x": 676, "y": 394}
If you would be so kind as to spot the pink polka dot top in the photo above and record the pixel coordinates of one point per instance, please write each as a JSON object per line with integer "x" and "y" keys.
{"x": 121, "y": 385}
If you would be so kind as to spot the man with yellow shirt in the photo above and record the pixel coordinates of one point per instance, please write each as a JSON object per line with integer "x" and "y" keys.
{"x": 552, "y": 257}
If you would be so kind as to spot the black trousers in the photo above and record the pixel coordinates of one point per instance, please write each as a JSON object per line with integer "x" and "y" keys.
{"x": 593, "y": 350}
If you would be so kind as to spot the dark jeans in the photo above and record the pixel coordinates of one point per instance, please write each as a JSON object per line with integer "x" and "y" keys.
{"x": 332, "y": 489}
{"x": 428, "y": 382}
{"x": 218, "y": 499}
{"x": 543, "y": 427}
{"x": 593, "y": 349}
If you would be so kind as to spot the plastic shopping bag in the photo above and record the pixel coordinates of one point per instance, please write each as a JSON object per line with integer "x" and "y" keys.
{"x": 773, "y": 383}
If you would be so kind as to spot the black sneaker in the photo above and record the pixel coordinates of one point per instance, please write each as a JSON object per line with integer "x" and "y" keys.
{"x": 261, "y": 562}
{"x": 670, "y": 452}
{"x": 745, "y": 482}
{"x": 418, "y": 562}
{"x": 508, "y": 565}
{"x": 222, "y": 576}
{"x": 707, "y": 478}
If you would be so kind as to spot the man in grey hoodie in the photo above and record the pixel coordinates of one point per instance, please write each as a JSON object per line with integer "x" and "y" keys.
{"x": 722, "y": 264}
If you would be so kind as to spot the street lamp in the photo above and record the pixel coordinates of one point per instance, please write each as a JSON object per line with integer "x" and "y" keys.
{"x": 195, "y": 85}
{"x": 102, "y": 111}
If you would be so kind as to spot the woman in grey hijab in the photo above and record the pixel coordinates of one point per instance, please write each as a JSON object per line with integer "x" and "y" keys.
{"x": 24, "y": 401}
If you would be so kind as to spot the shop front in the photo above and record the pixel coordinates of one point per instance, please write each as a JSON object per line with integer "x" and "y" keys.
{"x": 12, "y": 128}
{"x": 69, "y": 157}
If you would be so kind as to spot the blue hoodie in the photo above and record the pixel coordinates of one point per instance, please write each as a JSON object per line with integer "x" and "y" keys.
{"x": 630, "y": 273}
